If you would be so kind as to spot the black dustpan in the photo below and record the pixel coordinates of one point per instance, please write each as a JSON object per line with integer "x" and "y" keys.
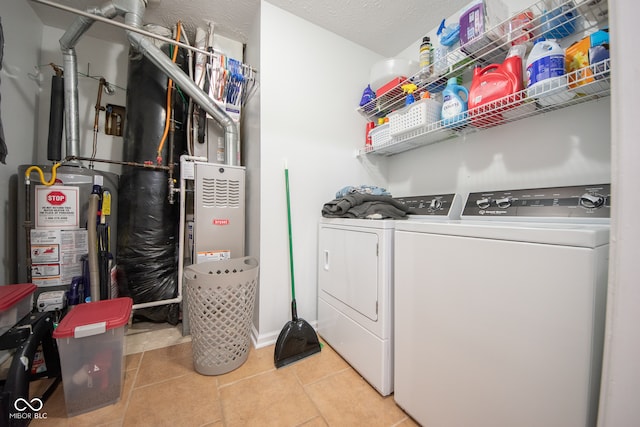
{"x": 297, "y": 339}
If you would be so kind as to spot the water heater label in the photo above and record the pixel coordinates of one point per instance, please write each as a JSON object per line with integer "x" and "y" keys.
{"x": 56, "y": 256}
{"x": 220, "y": 222}
{"x": 57, "y": 207}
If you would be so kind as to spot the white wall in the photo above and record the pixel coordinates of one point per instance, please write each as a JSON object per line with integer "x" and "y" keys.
{"x": 566, "y": 147}
{"x": 251, "y": 157}
{"x": 311, "y": 84}
{"x": 18, "y": 107}
{"x": 621, "y": 372}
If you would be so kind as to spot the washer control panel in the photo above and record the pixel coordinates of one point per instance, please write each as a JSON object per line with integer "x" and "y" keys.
{"x": 441, "y": 205}
{"x": 581, "y": 201}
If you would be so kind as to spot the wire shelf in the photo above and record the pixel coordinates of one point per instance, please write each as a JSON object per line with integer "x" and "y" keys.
{"x": 508, "y": 109}
{"x": 492, "y": 47}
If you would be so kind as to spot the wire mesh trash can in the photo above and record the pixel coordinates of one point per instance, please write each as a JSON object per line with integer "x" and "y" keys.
{"x": 220, "y": 299}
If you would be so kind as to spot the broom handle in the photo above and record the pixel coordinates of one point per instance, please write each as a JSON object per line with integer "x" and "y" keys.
{"x": 293, "y": 288}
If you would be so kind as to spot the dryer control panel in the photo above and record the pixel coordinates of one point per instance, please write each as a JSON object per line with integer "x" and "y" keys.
{"x": 447, "y": 206}
{"x": 581, "y": 201}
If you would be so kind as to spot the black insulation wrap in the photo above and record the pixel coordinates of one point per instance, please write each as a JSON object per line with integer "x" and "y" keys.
{"x": 56, "y": 119}
{"x": 147, "y": 242}
{"x": 147, "y": 223}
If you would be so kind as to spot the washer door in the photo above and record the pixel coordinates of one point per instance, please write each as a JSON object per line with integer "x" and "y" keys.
{"x": 348, "y": 268}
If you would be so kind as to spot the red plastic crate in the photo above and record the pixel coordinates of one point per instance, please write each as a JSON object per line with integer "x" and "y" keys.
{"x": 16, "y": 301}
{"x": 100, "y": 315}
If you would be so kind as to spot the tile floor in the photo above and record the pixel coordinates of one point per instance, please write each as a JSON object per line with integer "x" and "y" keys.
{"x": 161, "y": 388}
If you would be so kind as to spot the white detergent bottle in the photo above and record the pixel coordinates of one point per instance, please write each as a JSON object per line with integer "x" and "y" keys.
{"x": 546, "y": 80}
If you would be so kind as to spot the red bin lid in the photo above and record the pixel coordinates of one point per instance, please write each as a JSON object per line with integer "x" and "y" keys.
{"x": 94, "y": 318}
{"x": 10, "y": 295}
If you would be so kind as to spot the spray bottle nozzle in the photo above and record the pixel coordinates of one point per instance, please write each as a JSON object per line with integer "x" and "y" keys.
{"x": 441, "y": 27}
{"x": 409, "y": 88}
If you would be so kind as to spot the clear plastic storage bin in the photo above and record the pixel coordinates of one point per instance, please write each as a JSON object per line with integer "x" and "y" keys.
{"x": 220, "y": 297}
{"x": 91, "y": 345}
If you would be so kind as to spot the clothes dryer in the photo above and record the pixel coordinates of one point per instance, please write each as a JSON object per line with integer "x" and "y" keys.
{"x": 355, "y": 285}
{"x": 500, "y": 316}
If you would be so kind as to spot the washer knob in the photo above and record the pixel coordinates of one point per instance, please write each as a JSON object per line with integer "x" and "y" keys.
{"x": 504, "y": 202}
{"x": 483, "y": 203}
{"x": 435, "y": 204}
{"x": 591, "y": 201}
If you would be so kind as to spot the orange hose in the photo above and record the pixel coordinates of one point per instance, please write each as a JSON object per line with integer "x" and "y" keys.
{"x": 169, "y": 90}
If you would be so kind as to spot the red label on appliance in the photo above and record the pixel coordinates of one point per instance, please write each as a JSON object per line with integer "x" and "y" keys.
{"x": 220, "y": 222}
{"x": 56, "y": 198}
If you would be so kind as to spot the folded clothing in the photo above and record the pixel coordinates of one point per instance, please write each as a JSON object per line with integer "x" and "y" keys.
{"x": 363, "y": 189}
{"x": 358, "y": 205}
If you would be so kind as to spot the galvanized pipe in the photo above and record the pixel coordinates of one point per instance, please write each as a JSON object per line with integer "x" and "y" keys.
{"x": 68, "y": 42}
{"x": 126, "y": 27}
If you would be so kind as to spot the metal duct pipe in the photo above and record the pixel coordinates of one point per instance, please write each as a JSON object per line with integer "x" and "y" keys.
{"x": 162, "y": 61}
{"x": 121, "y": 25}
{"x": 67, "y": 45}
{"x": 71, "y": 102}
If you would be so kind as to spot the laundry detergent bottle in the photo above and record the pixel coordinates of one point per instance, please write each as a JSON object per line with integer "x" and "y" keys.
{"x": 455, "y": 99}
{"x": 546, "y": 80}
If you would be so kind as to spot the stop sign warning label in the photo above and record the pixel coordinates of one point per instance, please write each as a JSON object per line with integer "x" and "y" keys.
{"x": 56, "y": 198}
{"x": 57, "y": 207}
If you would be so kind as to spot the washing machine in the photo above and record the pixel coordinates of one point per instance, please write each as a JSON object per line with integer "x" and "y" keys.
{"x": 499, "y": 317}
{"x": 355, "y": 285}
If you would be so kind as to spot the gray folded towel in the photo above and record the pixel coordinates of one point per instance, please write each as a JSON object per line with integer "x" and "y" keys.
{"x": 364, "y": 206}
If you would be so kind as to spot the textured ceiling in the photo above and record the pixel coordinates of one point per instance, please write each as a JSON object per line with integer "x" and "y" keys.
{"x": 383, "y": 26}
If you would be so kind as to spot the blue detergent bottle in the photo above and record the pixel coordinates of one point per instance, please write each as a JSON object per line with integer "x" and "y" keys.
{"x": 454, "y": 104}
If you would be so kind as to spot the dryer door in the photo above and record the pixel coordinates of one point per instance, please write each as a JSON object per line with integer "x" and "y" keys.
{"x": 348, "y": 268}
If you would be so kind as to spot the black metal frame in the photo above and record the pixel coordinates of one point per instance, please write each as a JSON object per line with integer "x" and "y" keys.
{"x": 25, "y": 337}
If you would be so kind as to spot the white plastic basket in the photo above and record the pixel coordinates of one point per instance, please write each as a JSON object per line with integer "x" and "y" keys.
{"x": 417, "y": 115}
{"x": 380, "y": 135}
{"x": 221, "y": 297}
